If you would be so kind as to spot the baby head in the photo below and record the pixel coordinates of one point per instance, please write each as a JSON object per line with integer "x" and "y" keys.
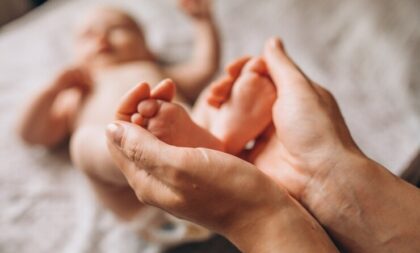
{"x": 110, "y": 36}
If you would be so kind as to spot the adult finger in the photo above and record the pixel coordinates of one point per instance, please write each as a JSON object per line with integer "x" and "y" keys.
{"x": 137, "y": 146}
{"x": 288, "y": 78}
{"x": 148, "y": 189}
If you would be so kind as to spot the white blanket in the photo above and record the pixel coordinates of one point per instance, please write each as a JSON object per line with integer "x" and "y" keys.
{"x": 366, "y": 52}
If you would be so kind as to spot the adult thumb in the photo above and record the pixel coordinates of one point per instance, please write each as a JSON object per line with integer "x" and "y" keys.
{"x": 134, "y": 148}
{"x": 288, "y": 78}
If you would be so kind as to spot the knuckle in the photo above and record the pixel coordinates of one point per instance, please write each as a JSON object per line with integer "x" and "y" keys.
{"x": 179, "y": 175}
{"x": 135, "y": 152}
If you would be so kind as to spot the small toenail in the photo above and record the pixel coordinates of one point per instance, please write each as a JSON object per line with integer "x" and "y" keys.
{"x": 115, "y": 132}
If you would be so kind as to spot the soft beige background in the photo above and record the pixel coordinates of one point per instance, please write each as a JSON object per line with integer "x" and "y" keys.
{"x": 366, "y": 52}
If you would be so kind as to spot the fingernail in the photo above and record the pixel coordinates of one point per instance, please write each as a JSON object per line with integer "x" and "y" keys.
{"x": 115, "y": 132}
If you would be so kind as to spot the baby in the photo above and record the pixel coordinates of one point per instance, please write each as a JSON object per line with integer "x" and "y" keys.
{"x": 112, "y": 56}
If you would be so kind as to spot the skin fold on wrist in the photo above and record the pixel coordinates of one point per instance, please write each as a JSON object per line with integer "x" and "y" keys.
{"x": 362, "y": 205}
{"x": 280, "y": 226}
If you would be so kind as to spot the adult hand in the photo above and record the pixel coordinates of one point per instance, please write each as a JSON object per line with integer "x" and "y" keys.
{"x": 310, "y": 135}
{"x": 311, "y": 152}
{"x": 215, "y": 190}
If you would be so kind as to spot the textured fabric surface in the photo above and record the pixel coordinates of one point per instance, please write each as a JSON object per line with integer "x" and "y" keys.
{"x": 366, "y": 52}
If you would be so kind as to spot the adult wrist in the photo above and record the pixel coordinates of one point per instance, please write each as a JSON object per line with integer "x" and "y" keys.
{"x": 284, "y": 226}
{"x": 363, "y": 206}
{"x": 329, "y": 187}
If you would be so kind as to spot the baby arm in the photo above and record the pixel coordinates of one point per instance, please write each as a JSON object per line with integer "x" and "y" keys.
{"x": 193, "y": 75}
{"x": 48, "y": 118}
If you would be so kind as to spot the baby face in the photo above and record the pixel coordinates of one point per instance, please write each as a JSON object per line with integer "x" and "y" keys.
{"x": 109, "y": 36}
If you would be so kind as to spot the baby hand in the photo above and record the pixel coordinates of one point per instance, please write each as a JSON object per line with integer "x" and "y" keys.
{"x": 197, "y": 9}
{"x": 73, "y": 77}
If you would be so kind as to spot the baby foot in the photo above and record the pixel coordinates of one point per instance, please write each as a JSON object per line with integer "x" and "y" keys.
{"x": 244, "y": 100}
{"x": 170, "y": 122}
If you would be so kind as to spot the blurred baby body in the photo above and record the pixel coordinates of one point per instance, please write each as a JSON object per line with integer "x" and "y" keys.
{"x": 111, "y": 57}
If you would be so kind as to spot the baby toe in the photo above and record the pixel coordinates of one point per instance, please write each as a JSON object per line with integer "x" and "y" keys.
{"x": 148, "y": 108}
{"x": 137, "y": 119}
{"x": 256, "y": 65}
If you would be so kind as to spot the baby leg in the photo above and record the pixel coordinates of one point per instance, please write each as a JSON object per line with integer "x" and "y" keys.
{"x": 89, "y": 153}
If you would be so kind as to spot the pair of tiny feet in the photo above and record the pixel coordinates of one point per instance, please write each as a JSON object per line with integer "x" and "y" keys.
{"x": 235, "y": 110}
